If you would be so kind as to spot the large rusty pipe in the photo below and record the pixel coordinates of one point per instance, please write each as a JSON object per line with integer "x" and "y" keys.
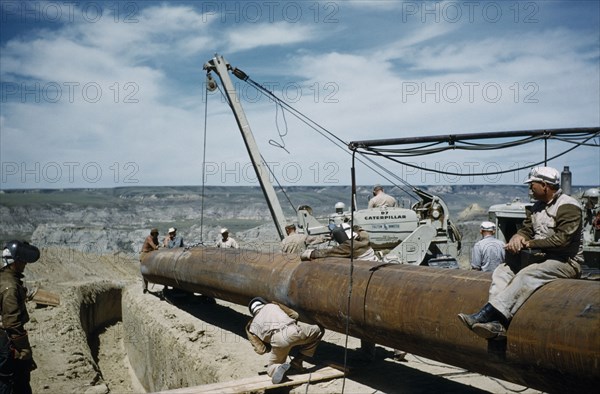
{"x": 553, "y": 342}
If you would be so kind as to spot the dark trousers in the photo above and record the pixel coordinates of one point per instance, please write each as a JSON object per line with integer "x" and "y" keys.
{"x": 22, "y": 377}
{"x": 7, "y": 364}
{"x": 15, "y": 375}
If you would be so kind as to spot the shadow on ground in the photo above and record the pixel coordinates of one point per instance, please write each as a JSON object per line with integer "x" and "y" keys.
{"x": 381, "y": 372}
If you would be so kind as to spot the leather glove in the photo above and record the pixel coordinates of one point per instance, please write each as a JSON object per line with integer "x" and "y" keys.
{"x": 22, "y": 347}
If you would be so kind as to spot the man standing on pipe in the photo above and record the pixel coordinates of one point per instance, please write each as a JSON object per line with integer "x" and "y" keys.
{"x": 16, "y": 361}
{"x": 274, "y": 327}
{"x": 547, "y": 247}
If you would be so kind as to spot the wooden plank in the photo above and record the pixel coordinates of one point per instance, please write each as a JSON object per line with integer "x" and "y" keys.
{"x": 260, "y": 383}
{"x": 43, "y": 297}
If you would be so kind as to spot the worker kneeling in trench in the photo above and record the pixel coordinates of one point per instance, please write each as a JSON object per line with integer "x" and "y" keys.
{"x": 275, "y": 328}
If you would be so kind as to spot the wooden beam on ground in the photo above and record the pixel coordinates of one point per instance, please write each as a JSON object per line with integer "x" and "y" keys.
{"x": 260, "y": 383}
{"x": 43, "y": 297}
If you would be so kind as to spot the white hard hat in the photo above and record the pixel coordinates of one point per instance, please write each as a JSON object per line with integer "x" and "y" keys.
{"x": 591, "y": 193}
{"x": 19, "y": 251}
{"x": 224, "y": 230}
{"x": 7, "y": 258}
{"x": 544, "y": 174}
{"x": 172, "y": 230}
{"x": 256, "y": 305}
{"x": 488, "y": 226}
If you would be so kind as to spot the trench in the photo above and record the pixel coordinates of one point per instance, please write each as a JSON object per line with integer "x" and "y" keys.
{"x": 100, "y": 315}
{"x": 141, "y": 343}
{"x": 136, "y": 343}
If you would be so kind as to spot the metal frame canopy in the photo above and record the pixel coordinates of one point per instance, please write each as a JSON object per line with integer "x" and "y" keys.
{"x": 577, "y": 136}
{"x": 452, "y": 139}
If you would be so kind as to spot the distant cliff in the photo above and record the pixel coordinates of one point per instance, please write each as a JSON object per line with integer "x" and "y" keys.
{"x": 118, "y": 219}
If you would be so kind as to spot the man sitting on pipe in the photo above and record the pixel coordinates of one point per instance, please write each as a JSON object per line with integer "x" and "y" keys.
{"x": 547, "y": 247}
{"x": 274, "y": 327}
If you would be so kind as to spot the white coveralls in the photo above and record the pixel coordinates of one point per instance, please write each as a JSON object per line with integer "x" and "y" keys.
{"x": 229, "y": 243}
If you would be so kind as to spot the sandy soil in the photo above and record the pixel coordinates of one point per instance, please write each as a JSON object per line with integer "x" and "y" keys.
{"x": 73, "y": 361}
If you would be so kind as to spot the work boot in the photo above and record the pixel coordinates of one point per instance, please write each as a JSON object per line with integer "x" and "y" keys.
{"x": 367, "y": 350}
{"x": 297, "y": 365}
{"x": 280, "y": 373}
{"x": 491, "y": 330}
{"x": 487, "y": 314}
{"x": 399, "y": 355}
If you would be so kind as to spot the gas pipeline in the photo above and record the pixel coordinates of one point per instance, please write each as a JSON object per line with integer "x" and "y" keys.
{"x": 552, "y": 344}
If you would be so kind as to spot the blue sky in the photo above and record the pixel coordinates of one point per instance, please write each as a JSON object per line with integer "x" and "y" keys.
{"x": 109, "y": 94}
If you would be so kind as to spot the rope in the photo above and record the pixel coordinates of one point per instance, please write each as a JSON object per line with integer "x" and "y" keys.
{"x": 281, "y": 134}
{"x": 351, "y": 274}
{"x": 331, "y": 137}
{"x": 279, "y": 184}
{"x": 274, "y": 143}
{"x": 203, "y": 164}
{"x": 426, "y": 149}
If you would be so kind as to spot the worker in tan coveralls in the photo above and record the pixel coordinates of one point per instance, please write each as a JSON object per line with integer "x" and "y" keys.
{"x": 381, "y": 199}
{"x": 274, "y": 327}
{"x": 297, "y": 243}
{"x": 551, "y": 236}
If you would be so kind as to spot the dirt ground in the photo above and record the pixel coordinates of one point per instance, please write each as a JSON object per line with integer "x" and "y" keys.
{"x": 72, "y": 361}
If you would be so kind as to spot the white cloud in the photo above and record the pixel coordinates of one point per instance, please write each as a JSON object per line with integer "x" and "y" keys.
{"x": 275, "y": 34}
{"x": 152, "y": 115}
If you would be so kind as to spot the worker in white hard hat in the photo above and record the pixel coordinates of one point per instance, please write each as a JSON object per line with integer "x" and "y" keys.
{"x": 172, "y": 240}
{"x": 275, "y": 328}
{"x": 16, "y": 356}
{"x": 488, "y": 252}
{"x": 550, "y": 240}
{"x": 226, "y": 241}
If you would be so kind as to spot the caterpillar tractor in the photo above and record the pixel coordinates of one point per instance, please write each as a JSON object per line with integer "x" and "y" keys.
{"x": 420, "y": 235}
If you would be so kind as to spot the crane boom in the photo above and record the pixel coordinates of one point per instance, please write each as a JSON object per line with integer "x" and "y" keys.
{"x": 221, "y": 68}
